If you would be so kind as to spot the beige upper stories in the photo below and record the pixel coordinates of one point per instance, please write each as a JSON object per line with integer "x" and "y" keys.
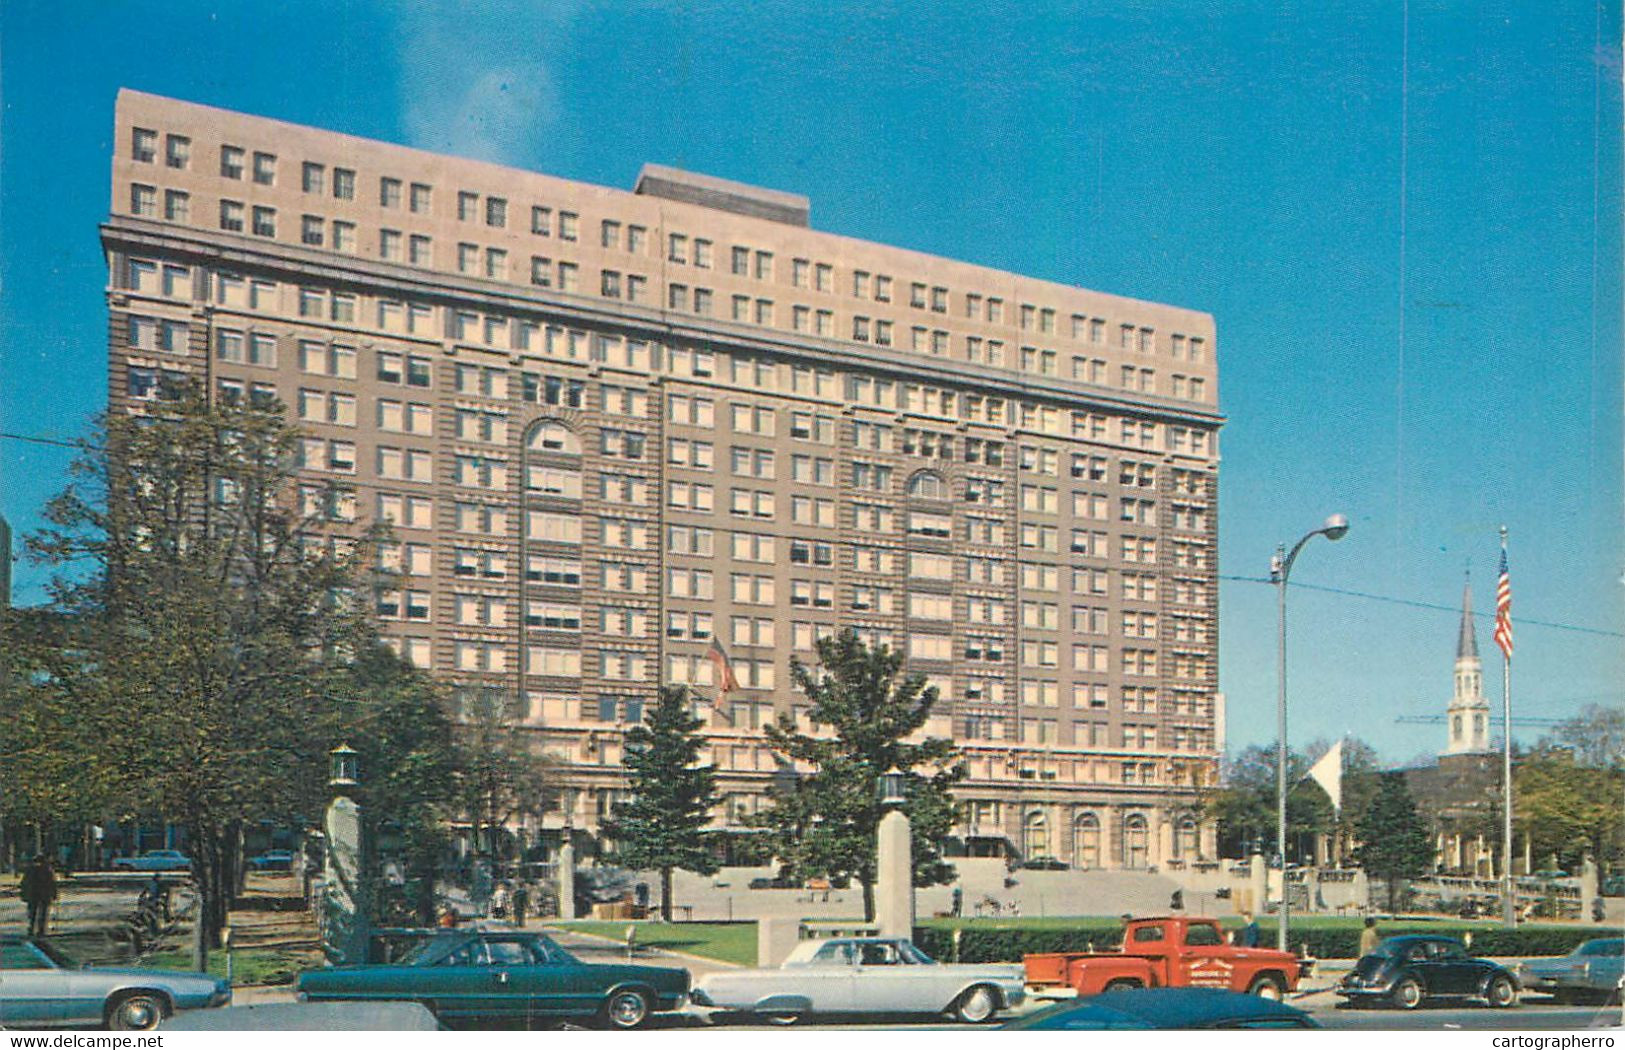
{"x": 1110, "y": 345}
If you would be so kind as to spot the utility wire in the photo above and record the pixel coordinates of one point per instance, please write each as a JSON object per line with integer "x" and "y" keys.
{"x": 34, "y": 439}
{"x": 1425, "y": 605}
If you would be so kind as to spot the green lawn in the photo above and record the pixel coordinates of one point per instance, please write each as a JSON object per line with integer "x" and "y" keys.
{"x": 248, "y": 965}
{"x": 733, "y": 942}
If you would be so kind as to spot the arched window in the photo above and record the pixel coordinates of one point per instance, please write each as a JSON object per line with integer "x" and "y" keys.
{"x": 1035, "y": 836}
{"x": 552, "y": 436}
{"x": 1136, "y": 842}
{"x": 1086, "y": 841}
{"x": 1186, "y": 843}
{"x": 927, "y": 485}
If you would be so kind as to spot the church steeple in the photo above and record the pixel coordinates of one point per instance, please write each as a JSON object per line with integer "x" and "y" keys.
{"x": 1469, "y": 714}
{"x": 1467, "y": 646}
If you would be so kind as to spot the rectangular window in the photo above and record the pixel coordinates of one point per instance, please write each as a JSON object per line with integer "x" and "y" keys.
{"x": 265, "y": 168}
{"x": 420, "y": 198}
{"x": 143, "y": 145}
{"x": 231, "y": 216}
{"x": 177, "y": 206}
{"x": 496, "y": 212}
{"x": 264, "y": 221}
{"x": 144, "y": 201}
{"x": 389, "y": 192}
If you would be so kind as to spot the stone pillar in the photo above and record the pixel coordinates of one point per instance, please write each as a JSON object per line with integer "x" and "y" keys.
{"x": 1588, "y": 887}
{"x": 1163, "y": 845}
{"x": 1257, "y": 883}
{"x": 894, "y": 884}
{"x": 344, "y": 927}
{"x": 567, "y": 879}
{"x": 776, "y": 938}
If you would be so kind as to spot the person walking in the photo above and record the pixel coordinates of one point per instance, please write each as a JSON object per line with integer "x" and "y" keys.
{"x": 1369, "y": 937}
{"x": 39, "y": 893}
{"x": 521, "y": 903}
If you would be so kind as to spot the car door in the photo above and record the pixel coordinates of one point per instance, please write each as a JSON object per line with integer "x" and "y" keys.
{"x": 1452, "y": 972}
{"x": 460, "y": 985}
{"x": 886, "y": 982}
{"x": 33, "y": 990}
{"x": 1204, "y": 961}
{"x": 828, "y": 981}
{"x": 524, "y": 981}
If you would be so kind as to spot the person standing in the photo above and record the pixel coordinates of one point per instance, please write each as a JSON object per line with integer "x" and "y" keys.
{"x": 1369, "y": 937}
{"x": 1248, "y": 937}
{"x": 39, "y": 893}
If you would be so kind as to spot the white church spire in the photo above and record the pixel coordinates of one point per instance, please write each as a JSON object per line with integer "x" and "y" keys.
{"x": 1468, "y": 717}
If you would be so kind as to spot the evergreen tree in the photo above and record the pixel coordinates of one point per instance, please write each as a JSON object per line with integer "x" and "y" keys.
{"x": 662, "y": 826}
{"x": 1394, "y": 840}
{"x": 824, "y": 822}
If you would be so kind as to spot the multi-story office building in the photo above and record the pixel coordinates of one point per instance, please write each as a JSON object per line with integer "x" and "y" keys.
{"x": 609, "y": 427}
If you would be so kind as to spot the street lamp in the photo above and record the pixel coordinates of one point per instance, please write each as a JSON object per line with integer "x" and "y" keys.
{"x": 891, "y": 788}
{"x": 1280, "y": 569}
{"x": 344, "y": 768}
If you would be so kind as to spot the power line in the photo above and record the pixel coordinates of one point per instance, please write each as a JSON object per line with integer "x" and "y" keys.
{"x": 34, "y": 439}
{"x": 1426, "y": 605}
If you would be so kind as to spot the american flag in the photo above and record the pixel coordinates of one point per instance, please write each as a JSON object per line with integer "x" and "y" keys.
{"x": 726, "y": 680}
{"x": 1503, "y": 609}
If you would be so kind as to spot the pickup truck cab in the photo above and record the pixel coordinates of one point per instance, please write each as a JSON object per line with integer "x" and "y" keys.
{"x": 1170, "y": 952}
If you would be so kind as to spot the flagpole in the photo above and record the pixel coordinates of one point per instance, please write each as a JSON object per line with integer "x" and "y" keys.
{"x": 1509, "y": 905}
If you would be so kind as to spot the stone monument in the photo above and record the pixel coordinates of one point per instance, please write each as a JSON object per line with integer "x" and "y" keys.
{"x": 567, "y": 876}
{"x": 345, "y": 925}
{"x": 894, "y": 862}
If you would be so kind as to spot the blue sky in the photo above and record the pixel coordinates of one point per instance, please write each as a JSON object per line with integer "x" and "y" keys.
{"x": 1245, "y": 159}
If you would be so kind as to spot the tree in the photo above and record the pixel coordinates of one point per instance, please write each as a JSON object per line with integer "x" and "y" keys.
{"x": 662, "y": 826}
{"x": 217, "y": 607}
{"x": 1566, "y": 807}
{"x": 501, "y": 774}
{"x": 1244, "y": 803}
{"x": 1394, "y": 840}
{"x": 823, "y": 822}
{"x": 1597, "y": 737}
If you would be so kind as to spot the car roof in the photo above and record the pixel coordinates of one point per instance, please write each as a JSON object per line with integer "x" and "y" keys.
{"x": 1174, "y": 1008}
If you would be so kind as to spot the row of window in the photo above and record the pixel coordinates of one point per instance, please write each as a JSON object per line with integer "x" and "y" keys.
{"x": 492, "y": 211}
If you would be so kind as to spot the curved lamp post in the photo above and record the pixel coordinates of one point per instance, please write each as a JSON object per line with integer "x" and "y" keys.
{"x": 1280, "y": 569}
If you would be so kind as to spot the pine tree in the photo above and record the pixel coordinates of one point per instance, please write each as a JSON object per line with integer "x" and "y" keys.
{"x": 824, "y": 822}
{"x": 1394, "y": 840}
{"x": 662, "y": 826}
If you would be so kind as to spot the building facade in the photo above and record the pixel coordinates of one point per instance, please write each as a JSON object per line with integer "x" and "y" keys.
{"x": 612, "y": 428}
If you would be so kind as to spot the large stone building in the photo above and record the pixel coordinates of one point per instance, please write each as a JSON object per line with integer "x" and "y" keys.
{"x": 611, "y": 428}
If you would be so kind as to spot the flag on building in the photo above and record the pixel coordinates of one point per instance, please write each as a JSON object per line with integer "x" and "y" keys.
{"x": 1503, "y": 608}
{"x": 727, "y": 682}
{"x": 1328, "y": 773}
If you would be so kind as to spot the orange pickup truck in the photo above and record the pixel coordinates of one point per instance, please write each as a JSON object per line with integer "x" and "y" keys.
{"x": 1173, "y": 951}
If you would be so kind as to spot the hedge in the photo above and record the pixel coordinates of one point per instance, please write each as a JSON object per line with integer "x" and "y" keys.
{"x": 1007, "y": 944}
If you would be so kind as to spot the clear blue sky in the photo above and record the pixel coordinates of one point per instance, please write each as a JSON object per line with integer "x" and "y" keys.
{"x": 1244, "y": 159}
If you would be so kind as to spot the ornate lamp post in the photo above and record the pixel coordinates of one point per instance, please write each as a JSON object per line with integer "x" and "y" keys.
{"x": 1336, "y": 527}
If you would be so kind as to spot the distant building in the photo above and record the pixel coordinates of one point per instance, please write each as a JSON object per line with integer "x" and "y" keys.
{"x": 1460, "y": 795}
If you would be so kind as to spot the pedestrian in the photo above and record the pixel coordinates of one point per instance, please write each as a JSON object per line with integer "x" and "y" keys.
{"x": 1248, "y": 937}
{"x": 39, "y": 893}
{"x": 1369, "y": 937}
{"x": 521, "y": 902}
{"x": 448, "y": 918}
{"x": 958, "y": 899}
{"x": 1598, "y": 910}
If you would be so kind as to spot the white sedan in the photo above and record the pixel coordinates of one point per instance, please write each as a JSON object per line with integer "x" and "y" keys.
{"x": 859, "y": 975}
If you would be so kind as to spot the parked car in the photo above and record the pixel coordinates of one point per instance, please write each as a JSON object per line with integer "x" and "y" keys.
{"x": 487, "y": 974}
{"x": 1170, "y": 951}
{"x": 1150, "y": 1008}
{"x": 777, "y": 882}
{"x": 1593, "y": 970}
{"x": 272, "y": 860}
{"x": 155, "y": 860}
{"x": 1045, "y": 864}
{"x": 40, "y": 987}
{"x": 863, "y": 975}
{"x": 1408, "y": 971}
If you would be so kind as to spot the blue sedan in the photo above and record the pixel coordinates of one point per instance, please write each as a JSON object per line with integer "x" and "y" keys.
{"x": 1140, "y": 1009}
{"x": 41, "y": 987}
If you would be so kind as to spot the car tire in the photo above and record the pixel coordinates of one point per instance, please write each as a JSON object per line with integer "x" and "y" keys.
{"x": 1501, "y": 992}
{"x": 1267, "y": 986}
{"x": 978, "y": 1004}
{"x": 781, "y": 1020}
{"x": 137, "y": 1012}
{"x": 1122, "y": 982}
{"x": 1408, "y": 993}
{"x": 626, "y": 1009}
